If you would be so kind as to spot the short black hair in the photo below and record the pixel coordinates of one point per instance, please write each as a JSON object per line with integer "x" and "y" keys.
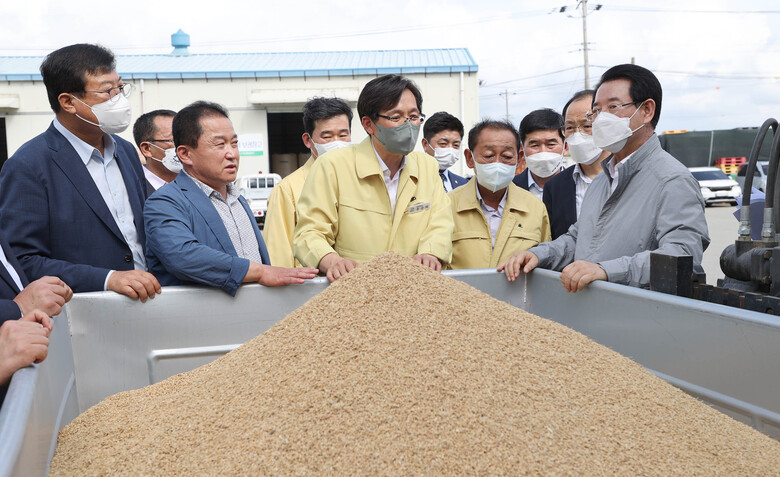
{"x": 644, "y": 85}
{"x": 441, "y": 121}
{"x": 544, "y": 119}
{"x": 501, "y": 125}
{"x": 186, "y": 123}
{"x": 577, "y": 96}
{"x": 65, "y": 70}
{"x": 144, "y": 130}
{"x": 383, "y": 93}
{"x": 317, "y": 109}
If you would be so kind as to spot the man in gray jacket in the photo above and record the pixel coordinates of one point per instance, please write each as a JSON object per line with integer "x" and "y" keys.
{"x": 646, "y": 201}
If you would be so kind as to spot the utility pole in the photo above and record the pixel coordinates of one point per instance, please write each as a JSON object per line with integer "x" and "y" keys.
{"x": 506, "y": 94}
{"x": 585, "y": 42}
{"x": 585, "y": 48}
{"x": 506, "y": 97}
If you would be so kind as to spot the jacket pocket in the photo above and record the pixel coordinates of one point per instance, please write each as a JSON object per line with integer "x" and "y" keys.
{"x": 521, "y": 238}
{"x": 363, "y": 231}
{"x": 468, "y": 235}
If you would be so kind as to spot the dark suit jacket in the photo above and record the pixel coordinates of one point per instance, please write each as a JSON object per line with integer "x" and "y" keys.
{"x": 521, "y": 180}
{"x": 149, "y": 188}
{"x": 455, "y": 179}
{"x": 9, "y": 310}
{"x": 186, "y": 241}
{"x": 55, "y": 218}
{"x": 560, "y": 198}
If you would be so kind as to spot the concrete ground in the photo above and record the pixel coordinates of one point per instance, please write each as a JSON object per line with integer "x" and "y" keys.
{"x": 723, "y": 232}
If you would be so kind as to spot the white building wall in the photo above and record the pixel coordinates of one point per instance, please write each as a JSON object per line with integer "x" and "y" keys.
{"x": 248, "y": 100}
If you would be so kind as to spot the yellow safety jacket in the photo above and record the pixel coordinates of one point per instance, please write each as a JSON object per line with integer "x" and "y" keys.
{"x": 524, "y": 224}
{"x": 281, "y": 217}
{"x": 345, "y": 208}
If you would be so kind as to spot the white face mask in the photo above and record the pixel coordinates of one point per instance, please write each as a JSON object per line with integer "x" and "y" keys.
{"x": 446, "y": 156}
{"x": 582, "y": 149}
{"x": 544, "y": 164}
{"x": 170, "y": 161}
{"x": 113, "y": 115}
{"x": 611, "y": 132}
{"x": 494, "y": 176}
{"x": 329, "y": 146}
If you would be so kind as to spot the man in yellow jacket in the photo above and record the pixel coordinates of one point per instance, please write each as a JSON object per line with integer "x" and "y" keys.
{"x": 494, "y": 218}
{"x": 327, "y": 124}
{"x": 378, "y": 195}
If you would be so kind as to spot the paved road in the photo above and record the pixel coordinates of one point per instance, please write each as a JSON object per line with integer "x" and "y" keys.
{"x": 723, "y": 232}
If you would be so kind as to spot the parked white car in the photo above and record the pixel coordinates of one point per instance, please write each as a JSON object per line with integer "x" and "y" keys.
{"x": 759, "y": 175}
{"x": 256, "y": 189}
{"x": 716, "y": 186}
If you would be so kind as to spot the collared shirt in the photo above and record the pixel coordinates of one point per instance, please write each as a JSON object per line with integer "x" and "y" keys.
{"x": 533, "y": 187}
{"x": 282, "y": 217}
{"x": 107, "y": 176}
{"x": 493, "y": 216}
{"x": 390, "y": 182}
{"x": 613, "y": 169}
{"x": 581, "y": 183}
{"x": 153, "y": 179}
{"x": 236, "y": 220}
{"x": 445, "y": 179}
{"x": 656, "y": 207}
{"x": 10, "y": 269}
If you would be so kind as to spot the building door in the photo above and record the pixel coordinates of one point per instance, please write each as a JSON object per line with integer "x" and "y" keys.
{"x": 285, "y": 146}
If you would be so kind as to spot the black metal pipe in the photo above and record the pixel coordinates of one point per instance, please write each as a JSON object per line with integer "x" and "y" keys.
{"x": 750, "y": 266}
{"x": 744, "y": 228}
{"x": 774, "y": 156}
{"x": 768, "y": 230}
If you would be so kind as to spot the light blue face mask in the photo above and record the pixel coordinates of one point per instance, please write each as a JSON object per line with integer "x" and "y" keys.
{"x": 400, "y": 139}
{"x": 494, "y": 176}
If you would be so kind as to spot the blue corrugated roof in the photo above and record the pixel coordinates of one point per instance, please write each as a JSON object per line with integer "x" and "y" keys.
{"x": 263, "y": 65}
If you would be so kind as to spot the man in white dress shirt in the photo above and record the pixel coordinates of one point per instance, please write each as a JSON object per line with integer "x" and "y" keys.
{"x": 153, "y": 134}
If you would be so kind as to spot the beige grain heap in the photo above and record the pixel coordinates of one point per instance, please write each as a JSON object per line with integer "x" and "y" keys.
{"x": 398, "y": 370}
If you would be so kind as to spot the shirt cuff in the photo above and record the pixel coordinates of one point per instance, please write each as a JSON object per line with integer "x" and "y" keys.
{"x": 542, "y": 254}
{"x": 441, "y": 252}
{"x": 614, "y": 270}
{"x": 105, "y": 284}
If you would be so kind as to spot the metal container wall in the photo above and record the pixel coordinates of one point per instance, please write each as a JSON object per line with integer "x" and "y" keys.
{"x": 725, "y": 356}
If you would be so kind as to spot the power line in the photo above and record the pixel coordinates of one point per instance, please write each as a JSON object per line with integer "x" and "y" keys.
{"x": 533, "y": 76}
{"x": 427, "y": 26}
{"x": 724, "y": 76}
{"x": 532, "y": 88}
{"x": 669, "y": 10}
{"x": 326, "y": 36}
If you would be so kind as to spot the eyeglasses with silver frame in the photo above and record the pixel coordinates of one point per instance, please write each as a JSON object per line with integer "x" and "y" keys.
{"x": 414, "y": 118}
{"x": 113, "y": 93}
{"x": 611, "y": 108}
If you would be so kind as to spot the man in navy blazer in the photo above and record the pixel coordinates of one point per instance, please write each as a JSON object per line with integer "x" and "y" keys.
{"x": 442, "y": 136}
{"x": 154, "y": 139}
{"x": 19, "y": 297}
{"x": 563, "y": 194}
{"x": 454, "y": 179}
{"x": 559, "y": 198}
{"x": 71, "y": 199}
{"x": 521, "y": 180}
{"x": 25, "y": 309}
{"x": 543, "y": 148}
{"x": 199, "y": 229}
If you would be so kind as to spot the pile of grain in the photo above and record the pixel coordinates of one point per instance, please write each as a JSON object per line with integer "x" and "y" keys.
{"x": 398, "y": 370}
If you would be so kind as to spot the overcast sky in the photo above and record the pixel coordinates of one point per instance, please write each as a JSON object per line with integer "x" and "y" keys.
{"x": 718, "y": 60}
